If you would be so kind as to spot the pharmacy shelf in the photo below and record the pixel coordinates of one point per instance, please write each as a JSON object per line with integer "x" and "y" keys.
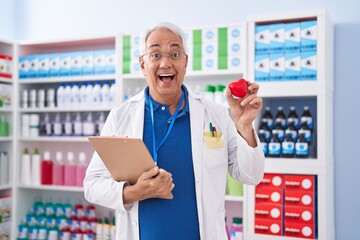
{"x": 321, "y": 92}
{"x": 54, "y": 139}
{"x": 60, "y": 79}
{"x": 52, "y": 188}
{"x": 234, "y": 198}
{"x": 5, "y": 187}
{"x": 6, "y": 139}
{"x": 7, "y": 109}
{"x": 69, "y": 109}
{"x": 5, "y": 80}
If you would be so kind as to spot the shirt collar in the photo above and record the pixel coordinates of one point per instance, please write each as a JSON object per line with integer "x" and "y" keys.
{"x": 156, "y": 105}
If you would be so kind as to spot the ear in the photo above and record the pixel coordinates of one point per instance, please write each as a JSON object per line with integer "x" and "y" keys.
{"x": 142, "y": 66}
{"x": 186, "y": 61}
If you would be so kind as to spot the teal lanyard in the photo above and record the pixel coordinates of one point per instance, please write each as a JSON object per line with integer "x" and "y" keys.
{"x": 173, "y": 118}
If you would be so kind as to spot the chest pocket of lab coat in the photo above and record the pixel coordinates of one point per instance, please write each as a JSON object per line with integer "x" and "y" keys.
{"x": 214, "y": 152}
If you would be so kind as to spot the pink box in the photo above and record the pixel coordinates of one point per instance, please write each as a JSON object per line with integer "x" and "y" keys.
{"x": 300, "y": 230}
{"x": 300, "y": 182}
{"x": 272, "y": 180}
{"x": 269, "y": 211}
{"x": 269, "y": 227}
{"x": 269, "y": 195}
{"x": 296, "y": 214}
{"x": 299, "y": 198}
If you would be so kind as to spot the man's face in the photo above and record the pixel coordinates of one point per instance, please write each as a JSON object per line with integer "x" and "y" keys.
{"x": 164, "y": 65}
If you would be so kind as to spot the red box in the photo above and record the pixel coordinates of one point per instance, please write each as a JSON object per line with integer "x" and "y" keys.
{"x": 300, "y": 230}
{"x": 269, "y": 195}
{"x": 306, "y": 215}
{"x": 268, "y": 227}
{"x": 300, "y": 182}
{"x": 299, "y": 198}
{"x": 272, "y": 180}
{"x": 269, "y": 211}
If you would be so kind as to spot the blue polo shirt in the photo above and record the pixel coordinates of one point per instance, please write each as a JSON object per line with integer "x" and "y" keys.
{"x": 162, "y": 219}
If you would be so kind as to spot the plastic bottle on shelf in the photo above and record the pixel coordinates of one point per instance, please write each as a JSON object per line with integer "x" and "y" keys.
{"x": 89, "y": 125}
{"x": 49, "y": 208}
{"x": 4, "y": 126}
{"x": 236, "y": 229}
{"x": 112, "y": 229}
{"x": 307, "y": 117}
{"x": 26, "y": 168}
{"x": 40, "y": 98}
{"x": 39, "y": 207}
{"x": 24, "y": 98}
{"x": 33, "y": 230}
{"x": 89, "y": 95}
{"x": 23, "y": 230}
{"x": 99, "y": 229}
{"x": 78, "y": 125}
{"x": 69, "y": 170}
{"x": 266, "y": 130}
{"x": 79, "y": 209}
{"x": 264, "y": 142}
{"x": 99, "y": 124}
{"x": 65, "y": 232}
{"x": 288, "y": 145}
{"x": 57, "y": 125}
{"x": 105, "y": 94}
{"x": 97, "y": 94}
{"x": 304, "y": 128}
{"x": 68, "y": 126}
{"x": 91, "y": 216}
{"x": 60, "y": 95}
{"x": 53, "y": 232}
{"x": 268, "y": 117}
{"x": 46, "y": 169}
{"x": 292, "y": 130}
{"x": 75, "y": 95}
{"x": 36, "y": 167}
{"x": 67, "y": 208}
{"x": 83, "y": 96}
{"x": 88, "y": 233}
{"x": 50, "y": 98}
{"x": 45, "y": 126}
{"x": 58, "y": 169}
{"x": 279, "y": 130}
{"x": 301, "y": 146}
{"x": 67, "y": 95}
{"x": 59, "y": 209}
{"x": 113, "y": 94}
{"x": 293, "y": 117}
{"x": 219, "y": 96}
{"x": 32, "y": 98}
{"x": 81, "y": 169}
{"x": 4, "y": 168}
{"x": 209, "y": 92}
{"x": 106, "y": 233}
{"x": 42, "y": 230}
{"x": 274, "y": 146}
{"x": 280, "y": 115}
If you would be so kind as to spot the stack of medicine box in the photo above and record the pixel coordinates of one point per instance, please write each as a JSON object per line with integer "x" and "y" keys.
{"x": 5, "y": 66}
{"x": 286, "y": 51}
{"x": 5, "y": 217}
{"x": 285, "y": 205}
{"x": 131, "y": 54}
{"x": 67, "y": 64}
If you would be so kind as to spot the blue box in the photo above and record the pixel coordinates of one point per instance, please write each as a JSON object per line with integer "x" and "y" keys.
{"x": 292, "y": 36}
{"x": 262, "y": 39}
{"x": 99, "y": 62}
{"x": 277, "y": 66}
{"x": 33, "y": 66}
{"x": 43, "y": 70}
{"x": 110, "y": 61}
{"x": 308, "y": 35}
{"x": 277, "y": 38}
{"x": 262, "y": 68}
{"x": 87, "y": 67}
{"x": 65, "y": 64}
{"x": 76, "y": 63}
{"x": 54, "y": 64}
{"x": 23, "y": 66}
{"x": 292, "y": 66}
{"x": 308, "y": 65}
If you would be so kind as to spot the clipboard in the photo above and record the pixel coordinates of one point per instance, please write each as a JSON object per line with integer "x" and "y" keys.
{"x": 125, "y": 158}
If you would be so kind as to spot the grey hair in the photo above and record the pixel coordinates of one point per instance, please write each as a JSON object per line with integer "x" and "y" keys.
{"x": 162, "y": 25}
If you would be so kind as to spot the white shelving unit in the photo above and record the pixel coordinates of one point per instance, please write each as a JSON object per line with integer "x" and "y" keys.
{"x": 7, "y": 143}
{"x": 25, "y": 195}
{"x": 320, "y": 92}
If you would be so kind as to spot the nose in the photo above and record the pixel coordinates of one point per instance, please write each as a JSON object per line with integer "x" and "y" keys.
{"x": 165, "y": 61}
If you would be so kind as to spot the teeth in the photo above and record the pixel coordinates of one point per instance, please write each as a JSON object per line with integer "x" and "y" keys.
{"x": 166, "y": 75}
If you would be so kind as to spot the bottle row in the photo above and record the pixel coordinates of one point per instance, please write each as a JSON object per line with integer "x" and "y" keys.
{"x": 67, "y": 64}
{"x": 4, "y": 168}
{"x": 4, "y": 126}
{"x": 35, "y": 125}
{"x": 48, "y": 171}
{"x": 71, "y": 95}
{"x": 64, "y": 221}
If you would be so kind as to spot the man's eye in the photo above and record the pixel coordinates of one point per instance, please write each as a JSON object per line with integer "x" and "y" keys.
{"x": 175, "y": 55}
{"x": 156, "y": 55}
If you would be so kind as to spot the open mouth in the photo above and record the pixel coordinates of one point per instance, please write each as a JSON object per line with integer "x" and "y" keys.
{"x": 166, "y": 77}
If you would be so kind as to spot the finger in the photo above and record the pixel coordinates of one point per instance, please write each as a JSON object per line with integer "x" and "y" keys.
{"x": 247, "y": 99}
{"x": 256, "y": 102}
{"x": 253, "y": 87}
{"x": 231, "y": 100}
{"x": 151, "y": 173}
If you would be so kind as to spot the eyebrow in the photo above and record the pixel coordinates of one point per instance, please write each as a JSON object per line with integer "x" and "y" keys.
{"x": 173, "y": 45}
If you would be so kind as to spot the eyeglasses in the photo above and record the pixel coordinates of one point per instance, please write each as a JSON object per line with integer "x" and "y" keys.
{"x": 156, "y": 56}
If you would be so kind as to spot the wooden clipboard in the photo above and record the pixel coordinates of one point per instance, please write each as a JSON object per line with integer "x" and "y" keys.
{"x": 125, "y": 158}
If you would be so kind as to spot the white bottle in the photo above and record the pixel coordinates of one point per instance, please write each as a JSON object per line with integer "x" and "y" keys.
{"x": 89, "y": 95}
{"x": 36, "y": 168}
{"x": 67, "y": 95}
{"x": 75, "y": 95}
{"x": 78, "y": 125}
{"x": 60, "y": 95}
{"x": 33, "y": 98}
{"x": 89, "y": 126}
{"x": 50, "y": 98}
{"x": 25, "y": 176}
{"x": 83, "y": 95}
{"x": 105, "y": 95}
{"x": 57, "y": 126}
{"x": 45, "y": 126}
{"x": 25, "y": 98}
{"x": 4, "y": 168}
{"x": 113, "y": 94}
{"x": 100, "y": 124}
{"x": 97, "y": 94}
{"x": 68, "y": 125}
{"x": 41, "y": 98}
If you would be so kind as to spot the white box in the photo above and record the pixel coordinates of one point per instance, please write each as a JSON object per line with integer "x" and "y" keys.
{"x": 277, "y": 38}
{"x": 308, "y": 35}
{"x": 262, "y": 67}
{"x": 277, "y": 66}
{"x": 43, "y": 70}
{"x": 262, "y": 39}
{"x": 54, "y": 64}
{"x": 87, "y": 66}
{"x": 308, "y": 65}
{"x": 292, "y": 66}
{"x": 65, "y": 64}
{"x": 23, "y": 66}
{"x": 33, "y": 66}
{"x": 76, "y": 63}
{"x": 292, "y": 36}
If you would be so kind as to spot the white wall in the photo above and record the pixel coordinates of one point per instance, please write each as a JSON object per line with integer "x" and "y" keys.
{"x": 7, "y": 20}
{"x": 44, "y": 19}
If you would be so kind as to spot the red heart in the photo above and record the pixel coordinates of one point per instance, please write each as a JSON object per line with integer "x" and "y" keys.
{"x": 239, "y": 88}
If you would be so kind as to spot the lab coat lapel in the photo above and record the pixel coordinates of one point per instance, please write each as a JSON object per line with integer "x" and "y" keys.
{"x": 137, "y": 117}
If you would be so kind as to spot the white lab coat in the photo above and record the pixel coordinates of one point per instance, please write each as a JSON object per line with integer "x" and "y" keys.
{"x": 210, "y": 165}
